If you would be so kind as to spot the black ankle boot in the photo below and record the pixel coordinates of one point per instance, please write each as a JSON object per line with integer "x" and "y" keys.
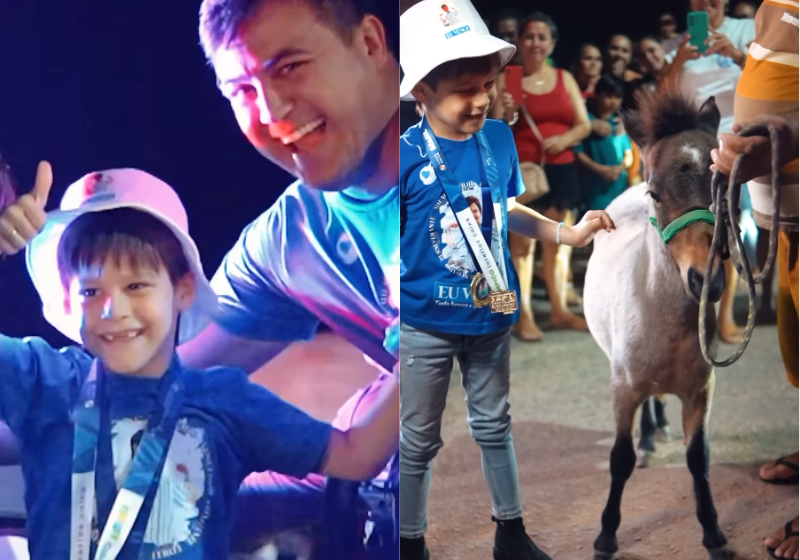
{"x": 413, "y": 549}
{"x": 511, "y": 542}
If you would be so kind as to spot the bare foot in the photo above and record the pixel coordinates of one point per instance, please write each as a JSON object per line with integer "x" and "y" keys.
{"x": 527, "y": 330}
{"x": 730, "y": 333}
{"x": 784, "y": 546}
{"x": 568, "y": 320}
{"x": 778, "y": 470}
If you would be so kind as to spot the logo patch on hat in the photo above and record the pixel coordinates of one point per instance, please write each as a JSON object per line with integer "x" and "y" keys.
{"x": 97, "y": 188}
{"x": 449, "y": 16}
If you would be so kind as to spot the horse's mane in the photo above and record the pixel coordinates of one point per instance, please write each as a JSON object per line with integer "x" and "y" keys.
{"x": 666, "y": 113}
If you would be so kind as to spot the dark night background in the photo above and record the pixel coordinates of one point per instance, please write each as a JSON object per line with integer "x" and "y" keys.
{"x": 98, "y": 84}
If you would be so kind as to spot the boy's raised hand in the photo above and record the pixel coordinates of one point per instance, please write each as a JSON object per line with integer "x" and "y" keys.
{"x": 20, "y": 222}
{"x": 592, "y": 222}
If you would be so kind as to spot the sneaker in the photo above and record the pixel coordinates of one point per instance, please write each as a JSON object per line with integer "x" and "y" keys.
{"x": 511, "y": 542}
{"x": 413, "y": 549}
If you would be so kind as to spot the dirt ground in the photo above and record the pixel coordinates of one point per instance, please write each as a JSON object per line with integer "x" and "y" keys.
{"x": 563, "y": 432}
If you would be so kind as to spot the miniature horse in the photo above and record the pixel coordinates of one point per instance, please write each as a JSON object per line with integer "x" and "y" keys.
{"x": 642, "y": 291}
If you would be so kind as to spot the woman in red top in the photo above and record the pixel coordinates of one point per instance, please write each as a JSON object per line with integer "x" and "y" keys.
{"x": 553, "y": 99}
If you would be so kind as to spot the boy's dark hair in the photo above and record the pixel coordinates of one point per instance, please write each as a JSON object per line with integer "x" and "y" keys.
{"x": 221, "y": 19}
{"x": 540, "y": 17}
{"x": 460, "y": 67}
{"x": 474, "y": 200}
{"x": 120, "y": 233}
{"x": 609, "y": 84}
{"x": 8, "y": 187}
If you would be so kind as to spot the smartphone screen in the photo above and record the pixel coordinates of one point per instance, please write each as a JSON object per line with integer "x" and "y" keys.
{"x": 697, "y": 27}
{"x": 513, "y": 75}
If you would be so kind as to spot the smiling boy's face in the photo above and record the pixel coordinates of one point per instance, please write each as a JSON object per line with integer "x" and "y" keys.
{"x": 458, "y": 107}
{"x": 130, "y": 314}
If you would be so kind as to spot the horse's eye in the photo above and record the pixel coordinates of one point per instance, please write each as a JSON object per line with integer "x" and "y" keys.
{"x": 654, "y": 196}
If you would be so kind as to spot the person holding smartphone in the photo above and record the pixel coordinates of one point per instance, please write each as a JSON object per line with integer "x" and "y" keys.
{"x": 702, "y": 67}
{"x": 712, "y": 66}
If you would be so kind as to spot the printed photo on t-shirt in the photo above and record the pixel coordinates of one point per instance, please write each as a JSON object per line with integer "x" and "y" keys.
{"x": 451, "y": 246}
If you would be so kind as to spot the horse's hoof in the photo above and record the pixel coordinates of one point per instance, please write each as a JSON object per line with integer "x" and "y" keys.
{"x": 644, "y": 458}
{"x": 721, "y": 553}
{"x": 599, "y": 555}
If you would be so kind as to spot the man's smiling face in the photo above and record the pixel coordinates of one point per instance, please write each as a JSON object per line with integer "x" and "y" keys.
{"x": 301, "y": 92}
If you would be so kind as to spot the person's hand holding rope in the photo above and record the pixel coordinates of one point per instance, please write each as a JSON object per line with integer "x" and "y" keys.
{"x": 760, "y": 148}
{"x": 757, "y": 149}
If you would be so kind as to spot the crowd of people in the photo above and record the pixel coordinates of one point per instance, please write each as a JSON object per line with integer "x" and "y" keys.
{"x": 587, "y": 157}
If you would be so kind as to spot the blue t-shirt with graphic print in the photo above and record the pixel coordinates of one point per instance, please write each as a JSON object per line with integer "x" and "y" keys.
{"x": 227, "y": 428}
{"x": 316, "y": 256}
{"x": 437, "y": 264}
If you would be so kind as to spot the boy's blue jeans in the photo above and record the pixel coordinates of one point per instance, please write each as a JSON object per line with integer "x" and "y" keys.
{"x": 426, "y": 362}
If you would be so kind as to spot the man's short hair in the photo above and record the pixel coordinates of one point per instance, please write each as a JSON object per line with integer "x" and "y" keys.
{"x": 504, "y": 14}
{"x": 220, "y": 20}
{"x": 474, "y": 200}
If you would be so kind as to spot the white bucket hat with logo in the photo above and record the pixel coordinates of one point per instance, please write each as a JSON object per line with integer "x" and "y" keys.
{"x": 437, "y": 31}
{"x": 107, "y": 190}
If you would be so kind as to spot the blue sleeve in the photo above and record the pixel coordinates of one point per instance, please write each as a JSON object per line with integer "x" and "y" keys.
{"x": 37, "y": 382}
{"x": 275, "y": 435}
{"x": 253, "y": 300}
{"x": 578, "y": 149}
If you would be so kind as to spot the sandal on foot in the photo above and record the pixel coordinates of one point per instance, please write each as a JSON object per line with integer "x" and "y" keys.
{"x": 787, "y": 534}
{"x": 792, "y": 479}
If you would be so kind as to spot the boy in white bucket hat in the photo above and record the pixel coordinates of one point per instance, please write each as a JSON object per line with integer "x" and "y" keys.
{"x": 126, "y": 453}
{"x": 459, "y": 176}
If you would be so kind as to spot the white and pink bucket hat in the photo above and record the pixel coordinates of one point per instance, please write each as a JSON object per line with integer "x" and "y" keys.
{"x": 107, "y": 190}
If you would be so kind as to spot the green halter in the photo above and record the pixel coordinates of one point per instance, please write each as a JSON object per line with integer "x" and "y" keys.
{"x": 681, "y": 222}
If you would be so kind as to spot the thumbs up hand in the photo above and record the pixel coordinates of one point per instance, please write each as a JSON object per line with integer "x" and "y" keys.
{"x": 20, "y": 222}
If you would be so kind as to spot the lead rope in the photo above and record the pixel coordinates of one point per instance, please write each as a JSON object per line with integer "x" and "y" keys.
{"x": 726, "y": 226}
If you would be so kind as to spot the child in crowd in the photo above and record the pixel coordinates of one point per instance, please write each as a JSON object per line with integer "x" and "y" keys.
{"x": 456, "y": 162}
{"x": 126, "y": 453}
{"x": 606, "y": 160}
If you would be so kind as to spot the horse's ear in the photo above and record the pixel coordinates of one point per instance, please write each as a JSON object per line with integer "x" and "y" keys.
{"x": 633, "y": 126}
{"x": 709, "y": 115}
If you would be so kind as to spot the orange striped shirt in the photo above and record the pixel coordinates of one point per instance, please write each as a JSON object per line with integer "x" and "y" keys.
{"x": 769, "y": 86}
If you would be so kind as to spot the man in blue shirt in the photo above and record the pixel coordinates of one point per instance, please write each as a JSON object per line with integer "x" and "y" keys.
{"x": 313, "y": 88}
